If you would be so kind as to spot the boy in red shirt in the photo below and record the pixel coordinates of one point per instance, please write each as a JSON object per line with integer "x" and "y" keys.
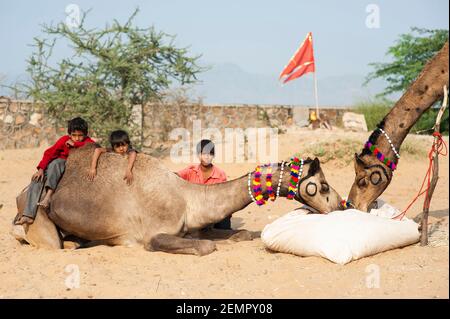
{"x": 206, "y": 173}
{"x": 52, "y": 166}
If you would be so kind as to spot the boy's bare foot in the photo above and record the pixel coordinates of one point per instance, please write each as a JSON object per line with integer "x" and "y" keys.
{"x": 45, "y": 202}
{"x": 25, "y": 220}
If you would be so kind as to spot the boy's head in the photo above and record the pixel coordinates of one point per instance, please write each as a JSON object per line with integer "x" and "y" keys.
{"x": 77, "y": 129}
{"x": 120, "y": 141}
{"x": 205, "y": 152}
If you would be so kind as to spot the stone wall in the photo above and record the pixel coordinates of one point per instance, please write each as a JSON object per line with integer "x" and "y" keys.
{"x": 24, "y": 124}
{"x": 161, "y": 119}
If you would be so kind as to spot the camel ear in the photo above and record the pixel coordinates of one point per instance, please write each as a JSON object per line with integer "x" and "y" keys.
{"x": 314, "y": 167}
{"x": 359, "y": 164}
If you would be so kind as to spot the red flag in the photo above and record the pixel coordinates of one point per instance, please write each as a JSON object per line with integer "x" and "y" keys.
{"x": 302, "y": 62}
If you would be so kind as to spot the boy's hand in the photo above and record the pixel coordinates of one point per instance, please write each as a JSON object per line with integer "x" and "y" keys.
{"x": 38, "y": 176}
{"x": 128, "y": 177}
{"x": 70, "y": 143}
{"x": 91, "y": 174}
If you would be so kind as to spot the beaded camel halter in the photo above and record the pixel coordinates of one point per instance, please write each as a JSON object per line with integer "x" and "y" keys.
{"x": 375, "y": 151}
{"x": 296, "y": 166}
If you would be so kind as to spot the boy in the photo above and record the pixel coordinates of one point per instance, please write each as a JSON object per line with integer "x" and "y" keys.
{"x": 120, "y": 144}
{"x": 206, "y": 173}
{"x": 52, "y": 166}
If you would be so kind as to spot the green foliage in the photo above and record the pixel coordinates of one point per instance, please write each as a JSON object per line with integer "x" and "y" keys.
{"x": 111, "y": 70}
{"x": 374, "y": 111}
{"x": 341, "y": 151}
{"x": 410, "y": 54}
{"x": 426, "y": 123}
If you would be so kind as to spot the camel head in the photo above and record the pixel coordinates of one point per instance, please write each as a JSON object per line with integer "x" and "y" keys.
{"x": 314, "y": 190}
{"x": 372, "y": 178}
{"x": 372, "y": 175}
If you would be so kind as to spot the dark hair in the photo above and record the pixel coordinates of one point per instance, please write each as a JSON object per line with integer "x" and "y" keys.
{"x": 118, "y": 138}
{"x": 77, "y": 124}
{"x": 205, "y": 145}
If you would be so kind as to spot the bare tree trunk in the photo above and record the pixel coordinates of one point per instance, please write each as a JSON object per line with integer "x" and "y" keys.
{"x": 435, "y": 177}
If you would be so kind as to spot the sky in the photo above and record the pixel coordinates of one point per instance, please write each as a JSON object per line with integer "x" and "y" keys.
{"x": 258, "y": 37}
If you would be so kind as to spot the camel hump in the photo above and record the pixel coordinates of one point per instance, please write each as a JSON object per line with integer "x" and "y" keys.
{"x": 83, "y": 151}
{"x": 111, "y": 163}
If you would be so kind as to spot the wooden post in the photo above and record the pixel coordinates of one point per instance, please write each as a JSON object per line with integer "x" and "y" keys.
{"x": 316, "y": 97}
{"x": 435, "y": 177}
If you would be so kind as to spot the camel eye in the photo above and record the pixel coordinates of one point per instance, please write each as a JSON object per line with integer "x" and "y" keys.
{"x": 375, "y": 178}
{"x": 325, "y": 188}
{"x": 362, "y": 182}
{"x": 311, "y": 189}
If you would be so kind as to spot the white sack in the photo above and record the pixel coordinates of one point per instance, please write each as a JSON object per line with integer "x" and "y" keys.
{"x": 340, "y": 236}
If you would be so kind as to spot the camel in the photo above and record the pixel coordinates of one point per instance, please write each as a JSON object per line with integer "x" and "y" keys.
{"x": 160, "y": 209}
{"x": 373, "y": 176}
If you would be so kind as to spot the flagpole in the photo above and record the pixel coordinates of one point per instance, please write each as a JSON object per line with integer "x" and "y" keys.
{"x": 315, "y": 95}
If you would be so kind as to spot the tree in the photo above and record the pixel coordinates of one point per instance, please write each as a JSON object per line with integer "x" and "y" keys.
{"x": 2, "y": 80}
{"x": 410, "y": 54}
{"x": 111, "y": 70}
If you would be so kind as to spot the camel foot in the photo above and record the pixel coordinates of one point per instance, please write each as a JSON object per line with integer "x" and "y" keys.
{"x": 242, "y": 235}
{"x": 205, "y": 247}
{"x": 226, "y": 234}
{"x": 71, "y": 245}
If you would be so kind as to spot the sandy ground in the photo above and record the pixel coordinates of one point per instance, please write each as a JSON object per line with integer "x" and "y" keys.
{"x": 235, "y": 270}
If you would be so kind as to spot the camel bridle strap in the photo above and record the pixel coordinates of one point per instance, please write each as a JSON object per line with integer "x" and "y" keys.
{"x": 257, "y": 189}
{"x": 296, "y": 165}
{"x": 296, "y": 170}
{"x": 390, "y": 142}
{"x": 249, "y": 187}
{"x": 281, "y": 178}
{"x": 380, "y": 156}
{"x": 299, "y": 196}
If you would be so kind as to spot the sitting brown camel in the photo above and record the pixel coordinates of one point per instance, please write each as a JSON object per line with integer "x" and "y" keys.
{"x": 159, "y": 208}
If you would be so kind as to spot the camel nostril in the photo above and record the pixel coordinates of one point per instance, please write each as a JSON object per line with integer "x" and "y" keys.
{"x": 327, "y": 200}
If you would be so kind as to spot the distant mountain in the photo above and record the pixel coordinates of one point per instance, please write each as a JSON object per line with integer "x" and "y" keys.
{"x": 229, "y": 84}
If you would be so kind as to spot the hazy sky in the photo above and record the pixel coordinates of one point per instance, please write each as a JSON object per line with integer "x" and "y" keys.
{"x": 258, "y": 36}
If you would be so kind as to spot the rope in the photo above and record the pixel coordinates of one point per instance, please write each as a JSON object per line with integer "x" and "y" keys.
{"x": 438, "y": 148}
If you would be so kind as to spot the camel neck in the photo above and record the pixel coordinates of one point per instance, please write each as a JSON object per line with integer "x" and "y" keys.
{"x": 218, "y": 201}
{"x": 423, "y": 93}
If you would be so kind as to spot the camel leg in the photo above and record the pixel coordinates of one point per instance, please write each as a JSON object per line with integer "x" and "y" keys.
{"x": 223, "y": 234}
{"x": 41, "y": 234}
{"x": 177, "y": 245}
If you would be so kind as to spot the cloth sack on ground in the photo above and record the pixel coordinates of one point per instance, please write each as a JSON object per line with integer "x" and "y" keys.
{"x": 340, "y": 236}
